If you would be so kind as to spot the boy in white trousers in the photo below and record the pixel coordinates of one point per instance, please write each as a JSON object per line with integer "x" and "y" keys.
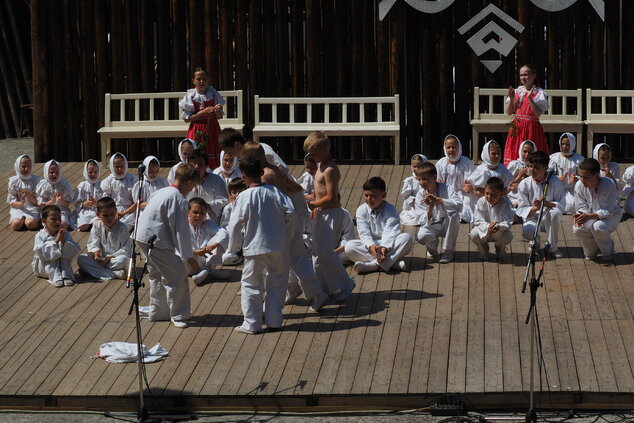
{"x": 108, "y": 246}
{"x": 164, "y": 220}
{"x": 257, "y": 225}
{"x": 438, "y": 208}
{"x": 598, "y": 211}
{"x": 381, "y": 245}
{"x": 492, "y": 220}
{"x": 530, "y": 196}
{"x": 209, "y": 242}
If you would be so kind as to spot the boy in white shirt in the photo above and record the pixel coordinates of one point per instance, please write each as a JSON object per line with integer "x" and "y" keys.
{"x": 530, "y": 195}
{"x": 108, "y": 246}
{"x": 598, "y": 211}
{"x": 262, "y": 213}
{"x": 211, "y": 187}
{"x": 381, "y": 245}
{"x": 209, "y": 242}
{"x": 492, "y": 220}
{"x": 438, "y": 209}
{"x": 232, "y": 142}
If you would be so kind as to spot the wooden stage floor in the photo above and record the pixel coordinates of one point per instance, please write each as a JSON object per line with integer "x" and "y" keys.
{"x": 400, "y": 340}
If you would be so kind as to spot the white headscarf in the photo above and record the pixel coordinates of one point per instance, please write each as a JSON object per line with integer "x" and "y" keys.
{"x": 595, "y": 150}
{"x": 457, "y": 159}
{"x": 519, "y": 151}
{"x": 47, "y": 165}
{"x": 485, "y": 155}
{"x": 146, "y": 163}
{"x": 96, "y": 163}
{"x": 111, "y": 166}
{"x": 235, "y": 161}
{"x": 16, "y": 166}
{"x": 573, "y": 142}
{"x": 180, "y": 144}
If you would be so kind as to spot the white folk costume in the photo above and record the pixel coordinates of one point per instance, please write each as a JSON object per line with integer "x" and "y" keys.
{"x": 166, "y": 217}
{"x": 628, "y": 190}
{"x": 46, "y": 189}
{"x": 408, "y": 194}
{"x": 444, "y": 221}
{"x": 613, "y": 167}
{"x": 233, "y": 174}
{"x": 307, "y": 182}
{"x": 273, "y": 158}
{"x": 87, "y": 189}
{"x": 489, "y": 169}
{"x": 530, "y": 190}
{"x": 150, "y": 185}
{"x": 206, "y": 234}
{"x": 594, "y": 235}
{"x": 485, "y": 213}
{"x": 258, "y": 226}
{"x": 213, "y": 190}
{"x": 567, "y": 165}
{"x": 52, "y": 260}
{"x": 454, "y": 173}
{"x": 516, "y": 166}
{"x": 171, "y": 176}
{"x": 112, "y": 242}
{"x": 119, "y": 188}
{"x": 19, "y": 183}
{"x": 381, "y": 227}
{"x": 347, "y": 235}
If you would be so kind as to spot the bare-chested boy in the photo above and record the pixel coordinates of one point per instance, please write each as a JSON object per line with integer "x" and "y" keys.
{"x": 328, "y": 218}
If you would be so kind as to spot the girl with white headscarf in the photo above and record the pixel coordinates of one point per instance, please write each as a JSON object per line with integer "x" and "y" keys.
{"x": 519, "y": 168}
{"x": 86, "y": 195}
{"x": 118, "y": 186}
{"x": 628, "y": 190}
{"x": 609, "y": 169}
{"x": 454, "y": 169}
{"x": 491, "y": 166}
{"x": 410, "y": 189}
{"x": 55, "y": 189}
{"x": 565, "y": 163}
{"x": 21, "y": 196}
{"x": 152, "y": 182}
{"x": 185, "y": 146}
{"x": 228, "y": 169}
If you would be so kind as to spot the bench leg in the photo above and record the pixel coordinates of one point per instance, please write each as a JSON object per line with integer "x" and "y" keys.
{"x": 590, "y": 142}
{"x": 475, "y": 144}
{"x": 105, "y": 150}
{"x": 397, "y": 150}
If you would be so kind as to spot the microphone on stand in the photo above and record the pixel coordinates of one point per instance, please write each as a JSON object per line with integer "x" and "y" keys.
{"x": 141, "y": 170}
{"x": 150, "y": 242}
{"x": 549, "y": 174}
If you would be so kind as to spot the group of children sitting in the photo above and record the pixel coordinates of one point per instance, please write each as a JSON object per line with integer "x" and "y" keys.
{"x": 293, "y": 235}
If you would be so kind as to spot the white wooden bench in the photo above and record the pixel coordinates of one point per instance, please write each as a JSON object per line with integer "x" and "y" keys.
{"x": 169, "y": 125}
{"x": 346, "y": 116}
{"x": 558, "y": 118}
{"x": 614, "y": 116}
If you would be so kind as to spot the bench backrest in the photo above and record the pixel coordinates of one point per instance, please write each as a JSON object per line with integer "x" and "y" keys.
{"x": 331, "y": 110}
{"x": 609, "y": 105}
{"x": 153, "y": 109}
{"x": 563, "y": 105}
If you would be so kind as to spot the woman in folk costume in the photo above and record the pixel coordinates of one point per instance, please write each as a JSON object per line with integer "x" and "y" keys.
{"x": 21, "y": 196}
{"x": 519, "y": 169}
{"x": 565, "y": 164}
{"x": 527, "y": 102}
{"x": 86, "y": 195}
{"x": 54, "y": 189}
{"x": 185, "y": 147}
{"x": 453, "y": 170}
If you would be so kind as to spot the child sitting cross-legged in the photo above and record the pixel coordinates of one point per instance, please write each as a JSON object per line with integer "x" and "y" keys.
{"x": 381, "y": 245}
{"x": 109, "y": 245}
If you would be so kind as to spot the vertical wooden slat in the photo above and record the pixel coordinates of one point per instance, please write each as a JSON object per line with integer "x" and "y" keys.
{"x": 102, "y": 74}
{"x": 87, "y": 45}
{"x": 39, "y": 38}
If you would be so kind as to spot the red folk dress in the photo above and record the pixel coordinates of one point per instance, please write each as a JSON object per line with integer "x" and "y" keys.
{"x": 527, "y": 126}
{"x": 206, "y": 130}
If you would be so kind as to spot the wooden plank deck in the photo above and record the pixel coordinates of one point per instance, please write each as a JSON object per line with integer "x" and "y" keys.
{"x": 399, "y": 341}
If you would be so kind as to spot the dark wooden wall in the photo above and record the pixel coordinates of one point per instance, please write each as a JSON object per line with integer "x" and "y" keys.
{"x": 83, "y": 49}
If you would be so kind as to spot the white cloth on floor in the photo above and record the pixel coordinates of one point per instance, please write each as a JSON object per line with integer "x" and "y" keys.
{"x": 128, "y": 352}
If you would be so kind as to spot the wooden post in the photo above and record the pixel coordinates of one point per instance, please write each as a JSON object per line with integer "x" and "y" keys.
{"x": 181, "y": 80}
{"x": 70, "y": 146}
{"x": 86, "y": 38}
{"x": 39, "y": 35}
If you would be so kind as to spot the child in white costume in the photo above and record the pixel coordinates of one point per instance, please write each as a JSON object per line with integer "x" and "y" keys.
{"x": 609, "y": 169}
{"x": 165, "y": 220}
{"x": 531, "y": 193}
{"x": 381, "y": 245}
{"x": 235, "y": 187}
{"x": 491, "y": 166}
{"x": 108, "y": 245}
{"x": 307, "y": 180}
{"x": 410, "y": 189}
{"x": 565, "y": 165}
{"x": 55, "y": 190}
{"x": 453, "y": 170}
{"x": 628, "y": 190}
{"x": 86, "y": 195}
{"x": 118, "y": 186}
{"x": 21, "y": 196}
{"x": 438, "y": 207}
{"x": 492, "y": 220}
{"x": 185, "y": 146}
{"x": 258, "y": 225}
{"x": 152, "y": 182}
{"x": 347, "y": 235}
{"x": 519, "y": 169}
{"x": 211, "y": 187}
{"x": 209, "y": 242}
{"x": 598, "y": 212}
{"x": 228, "y": 169}
{"x": 54, "y": 250}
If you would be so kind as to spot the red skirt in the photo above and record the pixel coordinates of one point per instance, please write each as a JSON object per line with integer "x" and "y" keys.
{"x": 525, "y": 129}
{"x": 207, "y": 132}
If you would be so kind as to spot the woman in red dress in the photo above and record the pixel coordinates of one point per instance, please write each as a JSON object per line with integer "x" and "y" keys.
{"x": 527, "y": 102}
{"x": 202, "y": 107}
